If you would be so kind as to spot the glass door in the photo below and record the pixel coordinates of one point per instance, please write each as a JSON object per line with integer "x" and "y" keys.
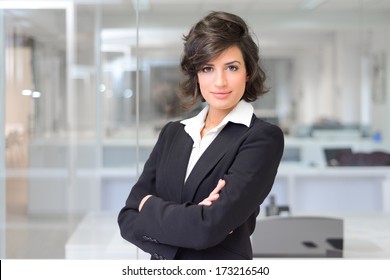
{"x": 69, "y": 116}
{"x": 38, "y": 96}
{"x": 2, "y": 142}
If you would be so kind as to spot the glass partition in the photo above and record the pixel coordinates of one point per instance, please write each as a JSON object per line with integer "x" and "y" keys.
{"x": 2, "y": 144}
{"x": 38, "y": 58}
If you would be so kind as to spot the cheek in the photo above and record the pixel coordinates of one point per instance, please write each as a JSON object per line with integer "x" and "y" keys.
{"x": 203, "y": 82}
{"x": 240, "y": 87}
{"x": 240, "y": 82}
{"x": 204, "y": 79}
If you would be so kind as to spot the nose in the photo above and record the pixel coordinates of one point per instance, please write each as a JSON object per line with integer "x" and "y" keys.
{"x": 220, "y": 79}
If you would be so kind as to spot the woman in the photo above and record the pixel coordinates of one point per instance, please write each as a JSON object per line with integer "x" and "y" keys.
{"x": 200, "y": 191}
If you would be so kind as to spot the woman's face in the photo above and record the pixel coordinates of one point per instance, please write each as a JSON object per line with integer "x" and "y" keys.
{"x": 222, "y": 80}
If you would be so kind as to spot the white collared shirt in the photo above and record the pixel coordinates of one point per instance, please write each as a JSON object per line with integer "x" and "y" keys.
{"x": 241, "y": 114}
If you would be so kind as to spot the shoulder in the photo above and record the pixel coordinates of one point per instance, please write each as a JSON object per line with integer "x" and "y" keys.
{"x": 263, "y": 132}
{"x": 266, "y": 136}
{"x": 168, "y": 134}
{"x": 261, "y": 125}
{"x": 171, "y": 127}
{"x": 170, "y": 130}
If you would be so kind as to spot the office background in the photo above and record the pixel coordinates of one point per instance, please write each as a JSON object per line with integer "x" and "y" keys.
{"x": 86, "y": 85}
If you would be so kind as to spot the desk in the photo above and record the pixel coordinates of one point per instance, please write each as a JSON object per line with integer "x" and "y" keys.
{"x": 332, "y": 189}
{"x": 304, "y": 182}
{"x": 97, "y": 237}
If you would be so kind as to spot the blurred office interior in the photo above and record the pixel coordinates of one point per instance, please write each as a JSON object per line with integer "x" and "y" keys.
{"x": 86, "y": 85}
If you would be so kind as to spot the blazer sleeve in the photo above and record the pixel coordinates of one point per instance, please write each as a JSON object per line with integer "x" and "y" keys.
{"x": 128, "y": 217}
{"x": 249, "y": 179}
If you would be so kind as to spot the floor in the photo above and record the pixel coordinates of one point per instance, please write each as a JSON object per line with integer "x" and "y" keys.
{"x": 30, "y": 237}
{"x": 366, "y": 236}
{"x": 33, "y": 237}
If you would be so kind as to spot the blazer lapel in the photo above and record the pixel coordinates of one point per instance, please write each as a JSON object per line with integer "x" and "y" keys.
{"x": 178, "y": 160}
{"x": 210, "y": 158}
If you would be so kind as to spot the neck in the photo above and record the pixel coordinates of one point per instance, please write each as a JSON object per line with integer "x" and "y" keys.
{"x": 214, "y": 117}
{"x": 213, "y": 120}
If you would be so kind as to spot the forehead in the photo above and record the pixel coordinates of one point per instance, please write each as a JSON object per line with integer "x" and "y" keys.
{"x": 230, "y": 54}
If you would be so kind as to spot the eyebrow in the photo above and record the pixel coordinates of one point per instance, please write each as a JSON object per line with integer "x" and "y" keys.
{"x": 227, "y": 63}
{"x": 232, "y": 62}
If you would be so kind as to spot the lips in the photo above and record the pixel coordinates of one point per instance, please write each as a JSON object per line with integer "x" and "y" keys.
{"x": 220, "y": 95}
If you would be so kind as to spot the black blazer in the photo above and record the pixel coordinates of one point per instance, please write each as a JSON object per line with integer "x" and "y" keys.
{"x": 171, "y": 224}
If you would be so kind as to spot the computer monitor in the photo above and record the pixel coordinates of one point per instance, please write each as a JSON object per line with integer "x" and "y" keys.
{"x": 332, "y": 155}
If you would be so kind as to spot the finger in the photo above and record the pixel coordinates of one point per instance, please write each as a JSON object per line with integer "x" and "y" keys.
{"x": 143, "y": 202}
{"x": 205, "y": 202}
{"x": 218, "y": 188}
{"x": 209, "y": 199}
{"x": 213, "y": 197}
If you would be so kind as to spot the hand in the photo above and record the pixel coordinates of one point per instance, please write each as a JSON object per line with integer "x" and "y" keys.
{"x": 141, "y": 204}
{"x": 214, "y": 195}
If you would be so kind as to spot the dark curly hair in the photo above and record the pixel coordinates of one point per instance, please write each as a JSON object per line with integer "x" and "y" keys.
{"x": 210, "y": 37}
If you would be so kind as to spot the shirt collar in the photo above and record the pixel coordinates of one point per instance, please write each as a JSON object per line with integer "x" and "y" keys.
{"x": 241, "y": 114}
{"x": 197, "y": 120}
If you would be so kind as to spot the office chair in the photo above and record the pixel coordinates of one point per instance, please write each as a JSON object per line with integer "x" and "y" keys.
{"x": 298, "y": 237}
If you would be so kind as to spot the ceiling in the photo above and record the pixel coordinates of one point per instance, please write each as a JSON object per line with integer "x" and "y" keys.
{"x": 279, "y": 14}
{"x": 190, "y": 7}
{"x": 301, "y": 22}
{"x": 247, "y": 6}
{"x": 260, "y": 14}
{"x": 162, "y": 22}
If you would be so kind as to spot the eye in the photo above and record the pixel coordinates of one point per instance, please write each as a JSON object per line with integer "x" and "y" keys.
{"x": 206, "y": 69}
{"x": 232, "y": 68}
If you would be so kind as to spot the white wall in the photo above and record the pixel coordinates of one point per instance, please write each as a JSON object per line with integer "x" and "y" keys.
{"x": 381, "y": 110}
{"x": 334, "y": 79}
